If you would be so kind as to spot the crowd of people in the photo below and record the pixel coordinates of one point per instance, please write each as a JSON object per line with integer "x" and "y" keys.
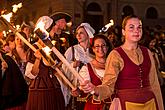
{"x": 126, "y": 64}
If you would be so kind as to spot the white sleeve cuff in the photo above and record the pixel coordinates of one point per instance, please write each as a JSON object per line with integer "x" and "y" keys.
{"x": 28, "y": 70}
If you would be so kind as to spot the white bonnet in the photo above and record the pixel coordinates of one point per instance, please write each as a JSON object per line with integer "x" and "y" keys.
{"x": 90, "y": 31}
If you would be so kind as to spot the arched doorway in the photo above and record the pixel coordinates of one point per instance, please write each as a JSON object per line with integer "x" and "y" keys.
{"x": 151, "y": 13}
{"x": 94, "y": 16}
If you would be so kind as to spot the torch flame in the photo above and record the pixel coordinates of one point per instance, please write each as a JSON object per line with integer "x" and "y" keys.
{"x": 41, "y": 25}
{"x": 53, "y": 42}
{"x": 17, "y": 27}
{"x": 47, "y": 50}
{"x": 7, "y": 16}
{"x": 107, "y": 26}
{"x": 111, "y": 23}
{"x": 16, "y": 7}
{"x": 3, "y": 11}
{"x": 4, "y": 33}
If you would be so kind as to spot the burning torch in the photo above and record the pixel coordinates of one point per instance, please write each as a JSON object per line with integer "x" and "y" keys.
{"x": 34, "y": 49}
{"x": 107, "y": 26}
{"x": 44, "y": 36}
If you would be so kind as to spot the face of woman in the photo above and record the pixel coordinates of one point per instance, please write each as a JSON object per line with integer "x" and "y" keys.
{"x": 152, "y": 43}
{"x": 11, "y": 45}
{"x": 82, "y": 35}
{"x": 112, "y": 37}
{"x": 133, "y": 30}
{"x": 27, "y": 31}
{"x": 100, "y": 48}
{"x": 18, "y": 42}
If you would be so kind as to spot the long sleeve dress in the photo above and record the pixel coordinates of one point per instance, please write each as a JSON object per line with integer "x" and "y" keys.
{"x": 133, "y": 76}
{"x": 44, "y": 90}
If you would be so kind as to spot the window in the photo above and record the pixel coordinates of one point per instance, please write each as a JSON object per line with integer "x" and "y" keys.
{"x": 93, "y": 7}
{"x": 151, "y": 13}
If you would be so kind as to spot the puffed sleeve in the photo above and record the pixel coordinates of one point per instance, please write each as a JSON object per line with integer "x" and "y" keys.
{"x": 31, "y": 59}
{"x": 28, "y": 70}
{"x": 155, "y": 83}
{"x": 114, "y": 64}
{"x": 84, "y": 73}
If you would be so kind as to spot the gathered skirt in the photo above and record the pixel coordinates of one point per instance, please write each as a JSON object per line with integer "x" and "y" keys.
{"x": 50, "y": 99}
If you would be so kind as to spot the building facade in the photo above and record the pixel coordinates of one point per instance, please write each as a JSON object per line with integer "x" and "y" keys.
{"x": 96, "y": 12}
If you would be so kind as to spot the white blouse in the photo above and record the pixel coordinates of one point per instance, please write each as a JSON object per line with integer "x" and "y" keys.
{"x": 85, "y": 73}
{"x": 79, "y": 54}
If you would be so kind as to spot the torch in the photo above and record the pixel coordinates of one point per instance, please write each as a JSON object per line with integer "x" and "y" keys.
{"x": 107, "y": 26}
{"x": 52, "y": 62}
{"x": 34, "y": 49}
{"x": 41, "y": 32}
{"x": 44, "y": 36}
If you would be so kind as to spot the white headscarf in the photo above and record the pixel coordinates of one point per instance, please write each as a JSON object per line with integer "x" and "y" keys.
{"x": 90, "y": 31}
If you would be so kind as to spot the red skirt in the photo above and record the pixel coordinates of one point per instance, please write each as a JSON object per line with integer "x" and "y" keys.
{"x": 92, "y": 104}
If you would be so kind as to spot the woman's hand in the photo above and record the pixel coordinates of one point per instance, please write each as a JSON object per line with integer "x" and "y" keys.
{"x": 37, "y": 54}
{"x": 4, "y": 65}
{"x": 87, "y": 86}
{"x": 75, "y": 92}
{"x": 76, "y": 63}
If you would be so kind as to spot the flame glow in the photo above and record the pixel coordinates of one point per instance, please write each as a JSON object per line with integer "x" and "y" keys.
{"x": 7, "y": 16}
{"x": 41, "y": 25}
{"x": 4, "y": 33}
{"x": 17, "y": 27}
{"x": 47, "y": 50}
{"x": 69, "y": 24}
{"x": 3, "y": 11}
{"x": 111, "y": 23}
{"x": 63, "y": 39}
{"x": 16, "y": 7}
{"x": 107, "y": 26}
{"x": 53, "y": 42}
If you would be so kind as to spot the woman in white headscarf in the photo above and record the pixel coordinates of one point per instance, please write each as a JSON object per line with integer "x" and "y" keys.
{"x": 78, "y": 55}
